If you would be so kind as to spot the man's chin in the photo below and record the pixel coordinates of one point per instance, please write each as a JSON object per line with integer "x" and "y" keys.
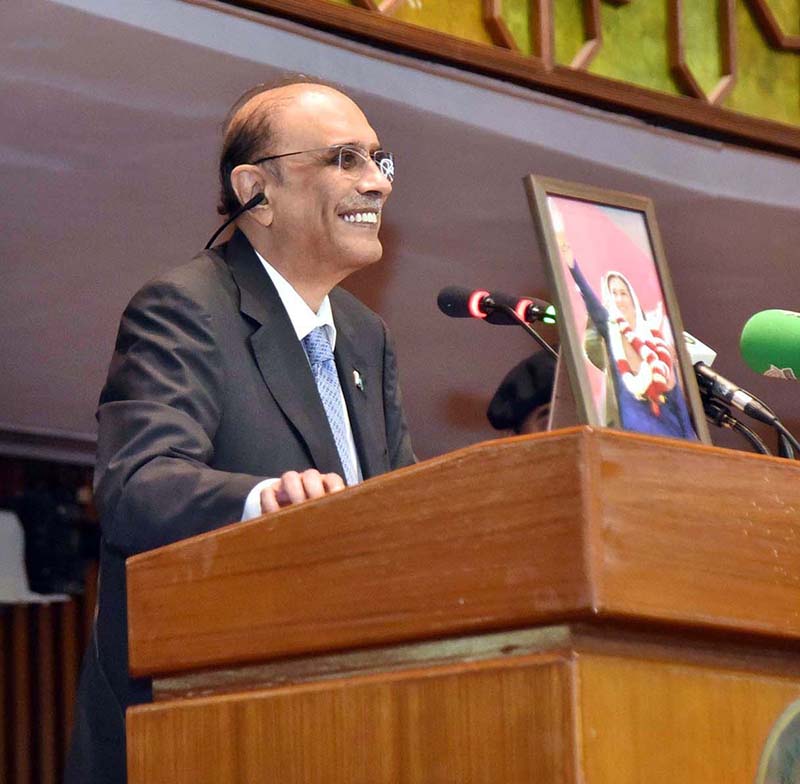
{"x": 363, "y": 253}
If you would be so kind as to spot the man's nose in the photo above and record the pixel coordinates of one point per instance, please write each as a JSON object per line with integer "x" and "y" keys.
{"x": 374, "y": 180}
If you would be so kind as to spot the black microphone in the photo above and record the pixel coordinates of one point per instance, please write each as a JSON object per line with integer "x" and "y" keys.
{"x": 713, "y": 385}
{"x": 719, "y": 387}
{"x": 528, "y": 309}
{"x": 461, "y": 302}
{"x": 496, "y": 308}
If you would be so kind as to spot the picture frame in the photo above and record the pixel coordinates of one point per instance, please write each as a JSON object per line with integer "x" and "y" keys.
{"x": 620, "y": 327}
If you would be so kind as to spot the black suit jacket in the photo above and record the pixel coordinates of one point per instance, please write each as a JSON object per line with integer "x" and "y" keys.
{"x": 209, "y": 391}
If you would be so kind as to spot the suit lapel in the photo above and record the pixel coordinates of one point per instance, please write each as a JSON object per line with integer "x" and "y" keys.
{"x": 363, "y": 393}
{"x": 280, "y": 356}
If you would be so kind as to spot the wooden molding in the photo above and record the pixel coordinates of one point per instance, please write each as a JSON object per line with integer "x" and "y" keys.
{"x": 384, "y": 7}
{"x": 770, "y": 27}
{"x": 496, "y": 25}
{"x": 681, "y": 112}
{"x": 593, "y": 34}
{"x": 681, "y": 69}
{"x": 543, "y": 33}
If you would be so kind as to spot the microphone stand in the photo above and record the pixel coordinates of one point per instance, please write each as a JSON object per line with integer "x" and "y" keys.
{"x": 511, "y": 313}
{"x": 708, "y": 381}
{"x": 720, "y": 415}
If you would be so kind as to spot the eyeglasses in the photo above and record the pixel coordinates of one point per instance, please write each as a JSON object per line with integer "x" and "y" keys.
{"x": 351, "y": 160}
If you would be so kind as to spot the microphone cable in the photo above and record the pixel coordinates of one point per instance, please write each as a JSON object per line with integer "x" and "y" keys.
{"x": 720, "y": 415}
{"x": 248, "y": 205}
{"x": 787, "y": 443}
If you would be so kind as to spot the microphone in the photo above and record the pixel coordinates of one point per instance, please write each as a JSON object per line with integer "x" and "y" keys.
{"x": 720, "y": 388}
{"x": 497, "y": 308}
{"x": 716, "y": 411}
{"x": 698, "y": 351}
{"x": 770, "y": 343}
{"x": 531, "y": 310}
{"x": 717, "y": 386}
{"x": 461, "y": 302}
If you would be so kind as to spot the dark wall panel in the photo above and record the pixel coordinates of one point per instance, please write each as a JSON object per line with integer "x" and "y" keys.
{"x": 107, "y": 166}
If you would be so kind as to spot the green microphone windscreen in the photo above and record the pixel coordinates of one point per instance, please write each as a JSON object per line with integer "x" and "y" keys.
{"x": 770, "y": 343}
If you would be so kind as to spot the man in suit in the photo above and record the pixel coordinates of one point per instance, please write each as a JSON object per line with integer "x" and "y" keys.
{"x": 244, "y": 380}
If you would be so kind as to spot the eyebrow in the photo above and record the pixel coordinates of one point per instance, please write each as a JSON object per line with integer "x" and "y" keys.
{"x": 371, "y": 147}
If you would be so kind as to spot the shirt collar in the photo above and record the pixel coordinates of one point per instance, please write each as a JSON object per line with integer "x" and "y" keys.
{"x": 303, "y": 319}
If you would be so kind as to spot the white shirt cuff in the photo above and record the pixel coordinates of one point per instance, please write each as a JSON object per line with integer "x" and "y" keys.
{"x": 252, "y": 504}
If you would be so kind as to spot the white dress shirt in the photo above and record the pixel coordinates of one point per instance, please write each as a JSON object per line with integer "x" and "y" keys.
{"x": 304, "y": 321}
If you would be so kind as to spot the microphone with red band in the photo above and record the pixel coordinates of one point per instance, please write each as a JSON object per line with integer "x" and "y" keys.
{"x": 461, "y": 302}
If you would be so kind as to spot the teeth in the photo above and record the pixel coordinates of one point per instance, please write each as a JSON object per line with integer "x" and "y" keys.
{"x": 361, "y": 217}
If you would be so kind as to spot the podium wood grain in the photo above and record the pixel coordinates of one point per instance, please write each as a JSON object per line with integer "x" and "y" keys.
{"x": 665, "y": 721}
{"x": 568, "y": 716}
{"x": 461, "y": 724}
{"x": 583, "y": 606}
{"x": 577, "y": 524}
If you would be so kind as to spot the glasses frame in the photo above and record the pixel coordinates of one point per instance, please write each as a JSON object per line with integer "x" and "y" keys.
{"x": 386, "y": 171}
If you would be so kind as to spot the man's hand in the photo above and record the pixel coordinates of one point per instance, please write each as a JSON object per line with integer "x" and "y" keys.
{"x": 294, "y": 487}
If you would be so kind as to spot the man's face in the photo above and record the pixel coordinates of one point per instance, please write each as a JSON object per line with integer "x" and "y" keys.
{"x": 536, "y": 421}
{"x": 314, "y": 203}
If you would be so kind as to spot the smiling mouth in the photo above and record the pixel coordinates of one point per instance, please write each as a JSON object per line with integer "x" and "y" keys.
{"x": 364, "y": 217}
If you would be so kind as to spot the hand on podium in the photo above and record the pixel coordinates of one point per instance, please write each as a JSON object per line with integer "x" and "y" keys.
{"x": 294, "y": 487}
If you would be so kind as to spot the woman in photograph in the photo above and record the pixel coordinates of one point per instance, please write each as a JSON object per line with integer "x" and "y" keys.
{"x": 642, "y": 389}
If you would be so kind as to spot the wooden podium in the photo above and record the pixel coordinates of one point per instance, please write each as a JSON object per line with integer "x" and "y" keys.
{"x": 579, "y": 606}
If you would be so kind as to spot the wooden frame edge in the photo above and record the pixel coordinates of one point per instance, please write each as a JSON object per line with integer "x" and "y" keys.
{"x": 538, "y": 189}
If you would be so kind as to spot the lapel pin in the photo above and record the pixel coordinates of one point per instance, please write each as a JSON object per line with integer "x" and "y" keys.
{"x": 358, "y": 380}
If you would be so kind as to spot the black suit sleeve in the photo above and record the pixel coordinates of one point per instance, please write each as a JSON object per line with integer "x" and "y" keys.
{"x": 397, "y": 435}
{"x": 157, "y": 418}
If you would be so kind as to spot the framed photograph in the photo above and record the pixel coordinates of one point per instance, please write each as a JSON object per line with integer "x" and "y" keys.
{"x": 621, "y": 331}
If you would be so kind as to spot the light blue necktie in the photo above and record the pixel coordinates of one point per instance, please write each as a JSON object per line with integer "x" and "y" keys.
{"x": 319, "y": 353}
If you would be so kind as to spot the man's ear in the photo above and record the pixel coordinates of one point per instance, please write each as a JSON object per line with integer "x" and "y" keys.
{"x": 248, "y": 181}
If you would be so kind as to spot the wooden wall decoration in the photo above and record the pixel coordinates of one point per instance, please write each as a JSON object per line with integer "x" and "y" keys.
{"x": 771, "y": 27}
{"x": 496, "y": 25}
{"x": 543, "y": 31}
{"x": 678, "y": 61}
{"x": 518, "y": 40}
{"x": 384, "y": 7}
